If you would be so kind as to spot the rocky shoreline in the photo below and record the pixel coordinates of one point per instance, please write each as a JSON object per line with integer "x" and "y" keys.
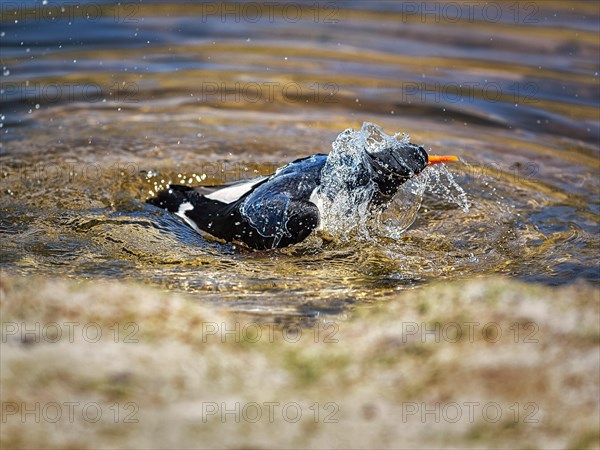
{"x": 487, "y": 362}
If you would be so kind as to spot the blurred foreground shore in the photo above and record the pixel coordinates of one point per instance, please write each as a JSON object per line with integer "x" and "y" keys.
{"x": 488, "y": 362}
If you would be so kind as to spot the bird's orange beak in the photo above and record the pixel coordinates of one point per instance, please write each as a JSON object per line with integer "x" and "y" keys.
{"x": 436, "y": 159}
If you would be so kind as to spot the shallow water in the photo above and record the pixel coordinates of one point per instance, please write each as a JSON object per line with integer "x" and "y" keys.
{"x": 100, "y": 102}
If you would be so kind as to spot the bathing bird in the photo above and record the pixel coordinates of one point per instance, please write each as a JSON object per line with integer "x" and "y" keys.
{"x": 284, "y": 208}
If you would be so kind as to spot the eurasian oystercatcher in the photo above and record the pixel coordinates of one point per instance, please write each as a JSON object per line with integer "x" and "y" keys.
{"x": 286, "y": 207}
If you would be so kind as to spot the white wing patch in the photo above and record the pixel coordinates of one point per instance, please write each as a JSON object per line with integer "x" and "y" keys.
{"x": 315, "y": 199}
{"x": 233, "y": 193}
{"x": 187, "y": 206}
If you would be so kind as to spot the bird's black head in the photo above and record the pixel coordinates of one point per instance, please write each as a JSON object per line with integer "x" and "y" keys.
{"x": 400, "y": 161}
{"x": 393, "y": 166}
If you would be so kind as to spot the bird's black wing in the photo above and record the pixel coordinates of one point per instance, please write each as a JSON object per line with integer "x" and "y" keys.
{"x": 263, "y": 213}
{"x": 280, "y": 210}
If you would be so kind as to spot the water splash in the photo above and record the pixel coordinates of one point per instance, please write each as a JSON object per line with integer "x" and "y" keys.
{"x": 441, "y": 182}
{"x": 347, "y": 186}
{"x": 402, "y": 211}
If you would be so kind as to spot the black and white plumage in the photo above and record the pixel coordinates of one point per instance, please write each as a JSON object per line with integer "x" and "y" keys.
{"x": 286, "y": 207}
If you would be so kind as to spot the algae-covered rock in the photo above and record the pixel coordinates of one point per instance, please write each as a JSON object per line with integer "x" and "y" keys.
{"x": 488, "y": 362}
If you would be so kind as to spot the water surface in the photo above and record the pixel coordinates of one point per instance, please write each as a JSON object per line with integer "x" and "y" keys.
{"x": 100, "y": 102}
